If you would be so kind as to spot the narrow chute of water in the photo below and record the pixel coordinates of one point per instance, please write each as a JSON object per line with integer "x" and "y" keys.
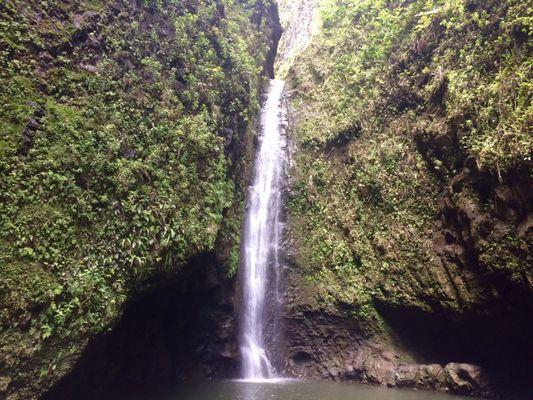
{"x": 261, "y": 237}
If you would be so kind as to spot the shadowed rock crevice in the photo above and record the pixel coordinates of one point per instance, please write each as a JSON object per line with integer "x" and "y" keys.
{"x": 499, "y": 341}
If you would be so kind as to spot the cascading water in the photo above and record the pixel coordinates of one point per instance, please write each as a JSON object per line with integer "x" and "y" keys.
{"x": 261, "y": 238}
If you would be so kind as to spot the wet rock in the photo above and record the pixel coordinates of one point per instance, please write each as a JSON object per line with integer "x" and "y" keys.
{"x": 33, "y": 124}
{"x": 327, "y": 345}
{"x": 378, "y": 370}
{"x": 503, "y": 195}
{"x": 350, "y": 374}
{"x": 127, "y": 151}
{"x": 443, "y": 141}
{"x": 96, "y": 42}
{"x": 458, "y": 182}
{"x": 405, "y": 375}
{"x": 504, "y": 201}
{"x": 526, "y": 227}
{"x": 466, "y": 379}
{"x": 89, "y": 68}
{"x": 4, "y": 383}
{"x": 79, "y": 19}
{"x": 333, "y": 372}
{"x": 228, "y": 352}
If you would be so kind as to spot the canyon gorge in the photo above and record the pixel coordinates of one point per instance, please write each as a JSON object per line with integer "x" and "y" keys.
{"x": 257, "y": 190}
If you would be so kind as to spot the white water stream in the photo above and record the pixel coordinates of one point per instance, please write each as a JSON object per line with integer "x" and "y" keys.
{"x": 261, "y": 236}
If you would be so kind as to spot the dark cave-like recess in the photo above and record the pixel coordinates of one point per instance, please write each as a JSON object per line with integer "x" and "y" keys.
{"x": 181, "y": 328}
{"x": 499, "y": 340}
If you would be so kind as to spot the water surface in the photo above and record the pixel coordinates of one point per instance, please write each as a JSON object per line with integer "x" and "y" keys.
{"x": 288, "y": 390}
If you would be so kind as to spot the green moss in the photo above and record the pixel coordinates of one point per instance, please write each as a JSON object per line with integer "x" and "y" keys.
{"x": 508, "y": 254}
{"x": 358, "y": 224}
{"x": 488, "y": 73}
{"x": 112, "y": 165}
{"x": 34, "y": 287}
{"x": 377, "y": 86}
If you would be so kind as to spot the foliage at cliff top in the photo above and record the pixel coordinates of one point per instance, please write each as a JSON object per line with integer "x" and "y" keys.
{"x": 116, "y": 119}
{"x": 393, "y": 99}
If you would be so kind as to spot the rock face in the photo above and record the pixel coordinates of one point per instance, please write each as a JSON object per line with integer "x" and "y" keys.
{"x": 325, "y": 343}
{"x": 299, "y": 20}
{"x": 409, "y": 218}
{"x": 128, "y": 131}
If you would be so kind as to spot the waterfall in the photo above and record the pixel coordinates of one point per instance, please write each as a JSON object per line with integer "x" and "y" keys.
{"x": 261, "y": 235}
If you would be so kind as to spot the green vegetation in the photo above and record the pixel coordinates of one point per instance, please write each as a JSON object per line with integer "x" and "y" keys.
{"x": 393, "y": 99}
{"x": 127, "y": 136}
{"x": 114, "y": 159}
{"x": 487, "y": 74}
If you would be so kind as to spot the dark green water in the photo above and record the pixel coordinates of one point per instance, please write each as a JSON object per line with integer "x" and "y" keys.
{"x": 287, "y": 390}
